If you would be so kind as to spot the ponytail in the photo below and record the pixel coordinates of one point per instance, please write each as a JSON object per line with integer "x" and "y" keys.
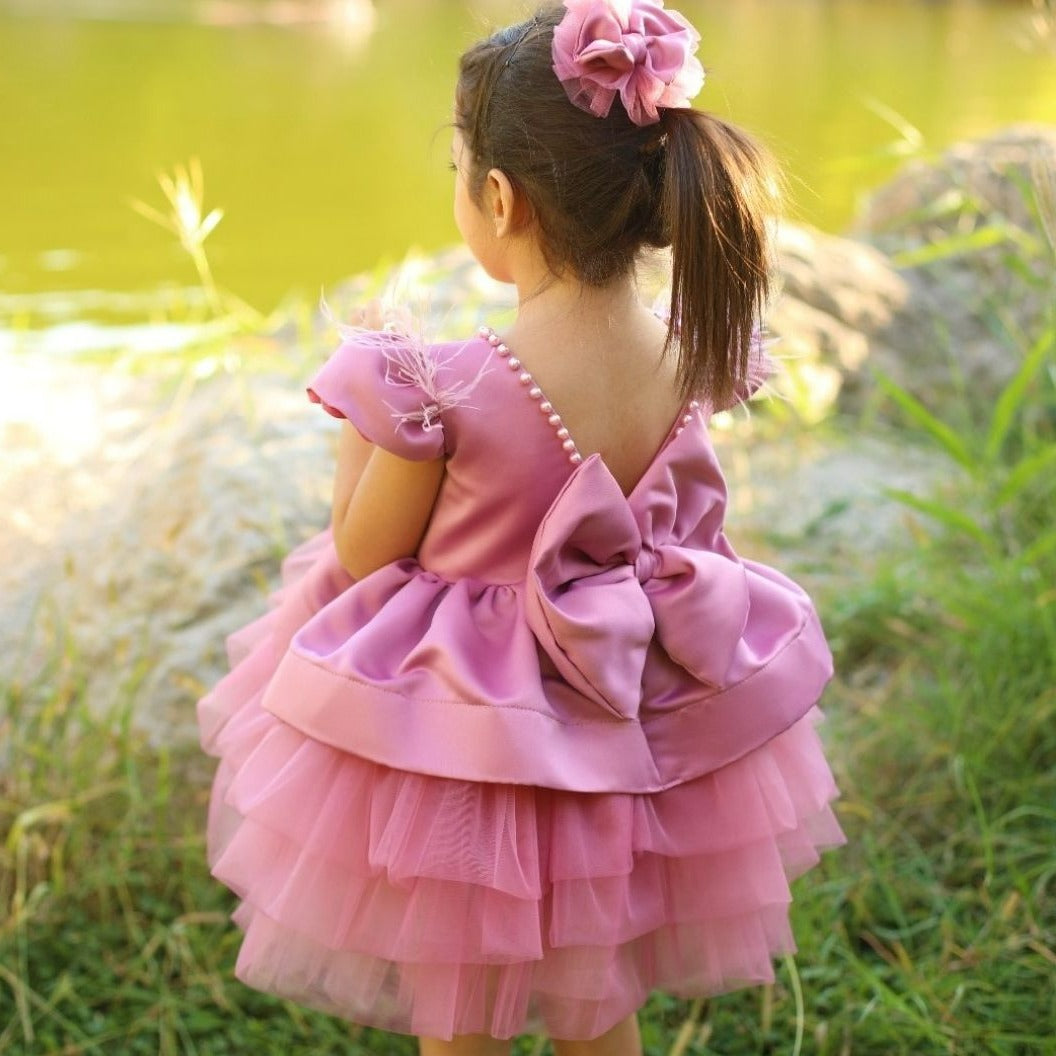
{"x": 718, "y": 190}
{"x": 603, "y": 188}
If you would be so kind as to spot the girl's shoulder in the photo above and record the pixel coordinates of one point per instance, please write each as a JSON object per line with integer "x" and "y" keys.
{"x": 421, "y": 399}
{"x": 398, "y": 390}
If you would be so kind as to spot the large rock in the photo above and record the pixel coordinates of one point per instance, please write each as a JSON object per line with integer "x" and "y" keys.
{"x": 145, "y": 522}
{"x": 971, "y": 184}
{"x": 838, "y": 296}
{"x": 951, "y": 274}
{"x": 974, "y": 237}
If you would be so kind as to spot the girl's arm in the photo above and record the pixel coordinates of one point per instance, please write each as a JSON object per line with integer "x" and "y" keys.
{"x": 382, "y": 503}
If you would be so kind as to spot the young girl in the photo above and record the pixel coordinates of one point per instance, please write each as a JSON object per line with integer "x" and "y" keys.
{"x": 523, "y": 738}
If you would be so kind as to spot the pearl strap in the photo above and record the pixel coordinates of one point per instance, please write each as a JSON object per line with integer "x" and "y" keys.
{"x": 534, "y": 392}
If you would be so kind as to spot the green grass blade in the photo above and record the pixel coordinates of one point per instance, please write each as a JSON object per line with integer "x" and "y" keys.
{"x": 944, "y": 435}
{"x": 1012, "y": 396}
{"x": 953, "y": 246}
{"x": 1025, "y": 472}
{"x": 911, "y": 135}
{"x": 1039, "y": 195}
{"x": 1037, "y": 550}
{"x": 949, "y": 516}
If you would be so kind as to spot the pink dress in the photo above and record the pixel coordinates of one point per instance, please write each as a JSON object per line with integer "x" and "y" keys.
{"x": 562, "y": 758}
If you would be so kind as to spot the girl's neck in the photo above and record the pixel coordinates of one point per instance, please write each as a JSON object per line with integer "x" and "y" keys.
{"x": 568, "y": 305}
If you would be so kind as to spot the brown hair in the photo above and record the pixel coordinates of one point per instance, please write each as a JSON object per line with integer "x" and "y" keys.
{"x": 603, "y": 189}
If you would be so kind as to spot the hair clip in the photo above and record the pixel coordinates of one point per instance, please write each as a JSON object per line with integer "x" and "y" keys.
{"x": 631, "y": 48}
{"x": 528, "y": 27}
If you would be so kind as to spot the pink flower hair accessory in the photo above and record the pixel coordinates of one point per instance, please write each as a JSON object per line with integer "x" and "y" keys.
{"x": 632, "y": 48}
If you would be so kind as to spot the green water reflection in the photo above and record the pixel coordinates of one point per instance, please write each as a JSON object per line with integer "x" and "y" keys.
{"x": 324, "y": 148}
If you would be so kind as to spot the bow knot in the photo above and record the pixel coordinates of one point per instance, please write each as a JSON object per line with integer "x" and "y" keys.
{"x": 637, "y": 48}
{"x": 604, "y": 587}
{"x": 646, "y": 564}
{"x": 632, "y": 48}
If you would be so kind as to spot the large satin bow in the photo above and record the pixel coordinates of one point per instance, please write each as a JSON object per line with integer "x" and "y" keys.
{"x": 631, "y": 48}
{"x": 603, "y": 583}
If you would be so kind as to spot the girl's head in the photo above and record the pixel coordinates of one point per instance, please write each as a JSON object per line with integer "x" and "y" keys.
{"x": 602, "y": 189}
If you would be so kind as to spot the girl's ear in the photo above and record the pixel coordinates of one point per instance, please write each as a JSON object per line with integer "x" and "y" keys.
{"x": 506, "y": 205}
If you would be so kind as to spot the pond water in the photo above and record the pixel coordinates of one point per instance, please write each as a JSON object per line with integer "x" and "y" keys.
{"x": 320, "y": 123}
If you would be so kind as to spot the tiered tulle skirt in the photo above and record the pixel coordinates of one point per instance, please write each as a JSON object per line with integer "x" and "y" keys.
{"x": 433, "y": 906}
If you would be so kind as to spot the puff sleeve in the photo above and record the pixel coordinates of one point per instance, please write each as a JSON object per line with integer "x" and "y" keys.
{"x": 384, "y": 384}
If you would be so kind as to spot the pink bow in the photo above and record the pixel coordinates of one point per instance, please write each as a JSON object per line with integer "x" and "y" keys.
{"x": 631, "y": 47}
{"x": 601, "y": 587}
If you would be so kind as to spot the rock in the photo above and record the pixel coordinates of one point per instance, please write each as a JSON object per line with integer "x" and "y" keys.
{"x": 970, "y": 184}
{"x": 837, "y": 296}
{"x": 848, "y": 281}
{"x": 974, "y": 237}
{"x": 146, "y": 525}
{"x": 925, "y": 289}
{"x": 815, "y": 503}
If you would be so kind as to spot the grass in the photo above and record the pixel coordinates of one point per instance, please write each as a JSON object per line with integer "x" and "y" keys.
{"x": 934, "y": 931}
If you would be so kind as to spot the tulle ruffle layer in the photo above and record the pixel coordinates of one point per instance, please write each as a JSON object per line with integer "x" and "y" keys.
{"x": 435, "y": 906}
{"x": 438, "y": 906}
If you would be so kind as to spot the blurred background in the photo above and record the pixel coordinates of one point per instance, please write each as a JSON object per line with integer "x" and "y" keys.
{"x": 321, "y": 124}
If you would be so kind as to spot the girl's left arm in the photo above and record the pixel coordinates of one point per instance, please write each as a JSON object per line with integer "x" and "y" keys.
{"x": 381, "y": 505}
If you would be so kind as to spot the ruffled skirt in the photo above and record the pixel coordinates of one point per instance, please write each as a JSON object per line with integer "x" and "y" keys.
{"x": 433, "y": 906}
